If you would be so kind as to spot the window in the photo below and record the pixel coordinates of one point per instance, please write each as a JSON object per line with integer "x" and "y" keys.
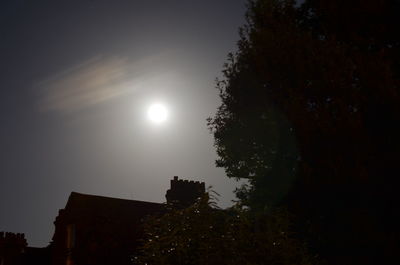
{"x": 70, "y": 236}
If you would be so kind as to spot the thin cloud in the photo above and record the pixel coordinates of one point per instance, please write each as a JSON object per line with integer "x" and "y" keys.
{"x": 95, "y": 81}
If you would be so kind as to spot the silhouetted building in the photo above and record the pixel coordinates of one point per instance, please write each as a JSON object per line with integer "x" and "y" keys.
{"x": 184, "y": 192}
{"x": 14, "y": 250}
{"x": 101, "y": 230}
{"x": 36, "y": 256}
{"x": 12, "y": 247}
{"x": 97, "y": 230}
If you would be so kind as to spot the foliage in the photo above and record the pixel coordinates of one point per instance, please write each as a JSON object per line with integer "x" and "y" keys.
{"x": 309, "y": 115}
{"x": 292, "y": 87}
{"x": 202, "y": 234}
{"x": 253, "y": 137}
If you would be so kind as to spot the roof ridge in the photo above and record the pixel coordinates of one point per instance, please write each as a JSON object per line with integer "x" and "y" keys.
{"x": 74, "y": 193}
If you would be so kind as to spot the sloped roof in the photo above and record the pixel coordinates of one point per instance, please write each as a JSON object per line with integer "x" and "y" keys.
{"x": 83, "y": 205}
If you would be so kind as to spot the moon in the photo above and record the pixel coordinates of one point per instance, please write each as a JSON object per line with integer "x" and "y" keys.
{"x": 157, "y": 113}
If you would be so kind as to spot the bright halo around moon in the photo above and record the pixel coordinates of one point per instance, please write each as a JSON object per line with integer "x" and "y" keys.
{"x": 157, "y": 113}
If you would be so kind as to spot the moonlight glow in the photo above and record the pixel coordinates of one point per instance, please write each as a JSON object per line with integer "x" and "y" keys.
{"x": 157, "y": 113}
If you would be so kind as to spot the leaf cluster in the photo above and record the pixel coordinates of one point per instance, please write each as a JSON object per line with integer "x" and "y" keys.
{"x": 202, "y": 234}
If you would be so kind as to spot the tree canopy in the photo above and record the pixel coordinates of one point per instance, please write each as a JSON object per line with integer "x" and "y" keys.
{"x": 310, "y": 114}
{"x": 203, "y": 234}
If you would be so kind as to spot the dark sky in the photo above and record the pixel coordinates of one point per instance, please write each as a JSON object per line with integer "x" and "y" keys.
{"x": 76, "y": 80}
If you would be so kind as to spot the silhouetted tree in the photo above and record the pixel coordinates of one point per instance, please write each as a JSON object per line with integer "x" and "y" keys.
{"x": 202, "y": 234}
{"x": 311, "y": 99}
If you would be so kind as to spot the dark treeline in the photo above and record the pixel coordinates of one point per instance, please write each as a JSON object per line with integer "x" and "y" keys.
{"x": 310, "y": 117}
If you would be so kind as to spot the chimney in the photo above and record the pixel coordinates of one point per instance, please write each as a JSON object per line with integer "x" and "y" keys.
{"x": 184, "y": 193}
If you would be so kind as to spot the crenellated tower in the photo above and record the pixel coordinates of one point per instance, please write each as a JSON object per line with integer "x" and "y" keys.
{"x": 183, "y": 193}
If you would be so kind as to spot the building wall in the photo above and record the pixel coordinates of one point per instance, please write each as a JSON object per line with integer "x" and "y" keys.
{"x": 99, "y": 236}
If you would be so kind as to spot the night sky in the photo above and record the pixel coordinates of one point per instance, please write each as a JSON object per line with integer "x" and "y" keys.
{"x": 77, "y": 79}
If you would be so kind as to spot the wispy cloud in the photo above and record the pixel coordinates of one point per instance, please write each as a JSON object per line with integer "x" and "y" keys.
{"x": 95, "y": 81}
